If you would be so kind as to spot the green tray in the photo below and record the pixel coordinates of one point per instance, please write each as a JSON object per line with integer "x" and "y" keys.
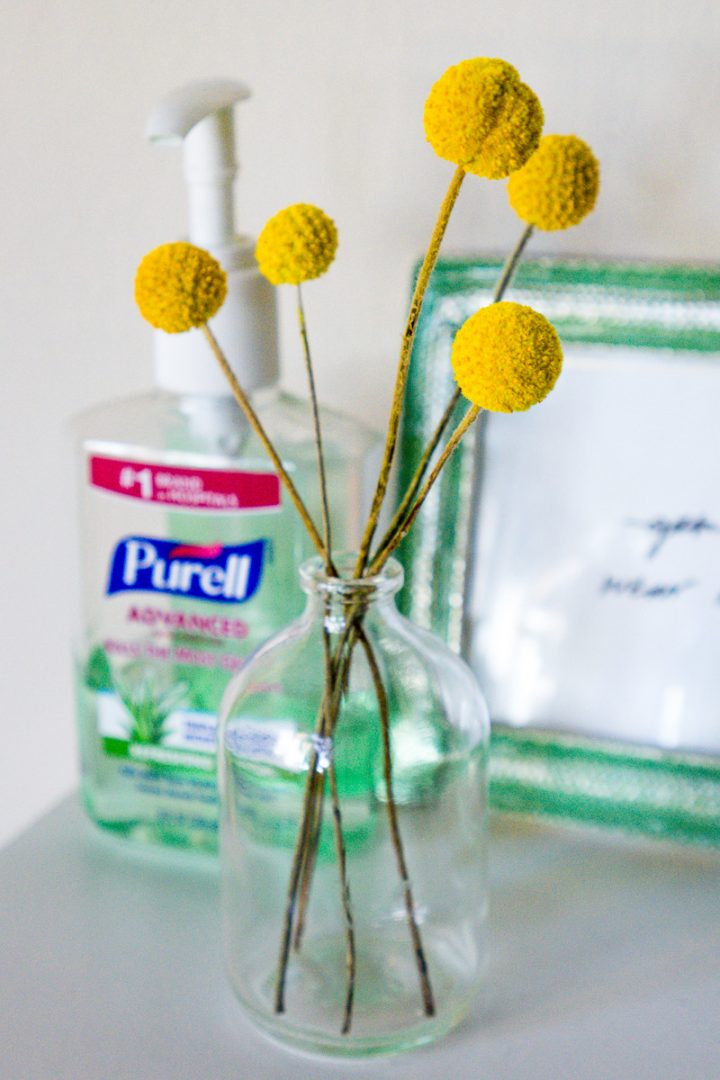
{"x": 534, "y": 769}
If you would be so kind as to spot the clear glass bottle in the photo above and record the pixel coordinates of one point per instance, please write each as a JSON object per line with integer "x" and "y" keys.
{"x": 272, "y": 748}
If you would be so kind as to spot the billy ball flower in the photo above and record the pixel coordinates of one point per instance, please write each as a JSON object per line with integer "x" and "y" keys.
{"x": 506, "y": 357}
{"x": 558, "y": 186}
{"x": 178, "y": 286}
{"x": 481, "y": 116}
{"x": 296, "y": 245}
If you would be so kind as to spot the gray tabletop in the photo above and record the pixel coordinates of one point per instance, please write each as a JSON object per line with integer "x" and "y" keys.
{"x": 606, "y": 964}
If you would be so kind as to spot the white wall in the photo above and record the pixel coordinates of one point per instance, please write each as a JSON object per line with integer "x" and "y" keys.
{"x": 336, "y": 119}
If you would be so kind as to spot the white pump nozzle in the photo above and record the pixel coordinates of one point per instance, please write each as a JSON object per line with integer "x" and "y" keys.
{"x": 199, "y": 116}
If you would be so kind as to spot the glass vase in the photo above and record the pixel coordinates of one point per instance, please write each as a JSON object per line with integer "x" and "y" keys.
{"x": 353, "y": 824}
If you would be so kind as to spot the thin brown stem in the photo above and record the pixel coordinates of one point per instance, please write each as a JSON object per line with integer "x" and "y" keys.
{"x": 420, "y": 959}
{"x": 417, "y": 479}
{"x": 327, "y": 717}
{"x": 325, "y": 512}
{"x": 255, "y": 423}
{"x": 508, "y": 271}
{"x": 341, "y": 855}
{"x": 404, "y": 364}
{"x": 317, "y": 799}
{"x": 382, "y": 556}
{"x": 334, "y": 676}
{"x": 335, "y": 685}
{"x": 291, "y": 900}
{"x": 503, "y": 282}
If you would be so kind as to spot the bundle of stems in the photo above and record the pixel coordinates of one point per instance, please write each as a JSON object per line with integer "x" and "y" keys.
{"x": 338, "y": 657}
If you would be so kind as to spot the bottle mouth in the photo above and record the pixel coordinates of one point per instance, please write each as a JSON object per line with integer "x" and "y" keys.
{"x": 314, "y": 578}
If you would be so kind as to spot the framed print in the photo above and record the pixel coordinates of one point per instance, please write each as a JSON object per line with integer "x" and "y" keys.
{"x": 572, "y": 553}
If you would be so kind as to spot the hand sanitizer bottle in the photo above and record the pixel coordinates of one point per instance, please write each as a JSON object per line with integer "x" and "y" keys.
{"x": 189, "y": 546}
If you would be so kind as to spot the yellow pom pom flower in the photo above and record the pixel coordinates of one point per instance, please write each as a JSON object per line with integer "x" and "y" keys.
{"x": 178, "y": 286}
{"x": 479, "y": 115}
{"x": 506, "y": 357}
{"x": 296, "y": 245}
{"x": 559, "y": 184}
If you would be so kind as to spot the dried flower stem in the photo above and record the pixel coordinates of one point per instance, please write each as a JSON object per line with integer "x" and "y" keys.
{"x": 290, "y": 904}
{"x": 327, "y": 539}
{"x": 510, "y": 266}
{"x": 404, "y": 364}
{"x": 301, "y": 844}
{"x": 254, "y": 422}
{"x": 313, "y": 813}
{"x": 503, "y": 282}
{"x": 423, "y": 973}
{"x": 341, "y": 855}
{"x": 316, "y": 796}
{"x": 309, "y": 830}
{"x": 417, "y": 479}
{"x": 382, "y": 556}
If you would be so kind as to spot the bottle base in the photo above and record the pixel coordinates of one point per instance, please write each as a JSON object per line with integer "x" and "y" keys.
{"x": 348, "y": 1047}
{"x": 388, "y": 1016}
{"x": 160, "y": 833}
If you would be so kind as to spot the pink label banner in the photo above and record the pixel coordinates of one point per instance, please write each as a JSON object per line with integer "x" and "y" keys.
{"x": 215, "y": 490}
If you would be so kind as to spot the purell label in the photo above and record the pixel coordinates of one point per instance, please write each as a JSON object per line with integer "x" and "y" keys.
{"x": 224, "y": 574}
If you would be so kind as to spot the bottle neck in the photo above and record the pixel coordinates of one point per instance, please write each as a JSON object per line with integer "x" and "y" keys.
{"x": 217, "y": 422}
{"x": 338, "y": 600}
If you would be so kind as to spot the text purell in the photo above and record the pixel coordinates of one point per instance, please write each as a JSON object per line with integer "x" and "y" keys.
{"x": 225, "y": 575}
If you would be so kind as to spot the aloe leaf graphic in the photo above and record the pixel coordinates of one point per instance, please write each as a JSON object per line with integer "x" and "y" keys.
{"x": 149, "y": 705}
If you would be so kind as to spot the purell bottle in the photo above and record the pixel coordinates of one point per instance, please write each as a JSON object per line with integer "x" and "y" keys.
{"x": 189, "y": 546}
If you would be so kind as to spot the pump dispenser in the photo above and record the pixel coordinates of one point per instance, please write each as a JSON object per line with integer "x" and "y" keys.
{"x": 199, "y": 117}
{"x": 189, "y": 548}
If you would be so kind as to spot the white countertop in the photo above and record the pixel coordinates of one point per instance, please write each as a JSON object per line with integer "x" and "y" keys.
{"x": 606, "y": 966}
